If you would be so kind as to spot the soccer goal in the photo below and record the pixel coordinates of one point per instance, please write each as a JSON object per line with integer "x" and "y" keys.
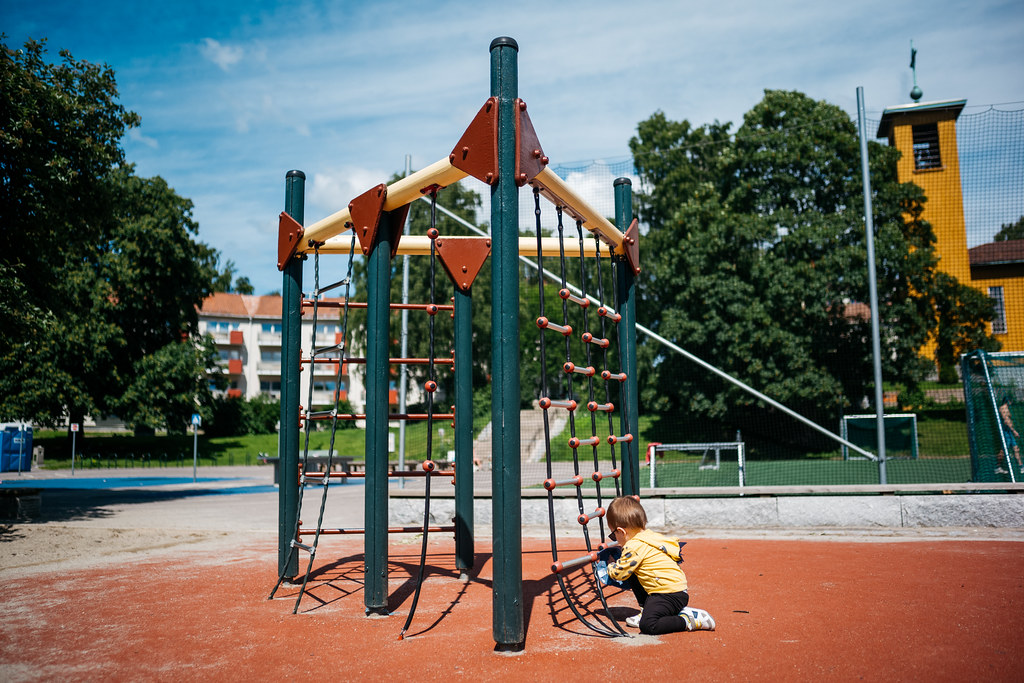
{"x": 696, "y": 464}
{"x": 900, "y": 434}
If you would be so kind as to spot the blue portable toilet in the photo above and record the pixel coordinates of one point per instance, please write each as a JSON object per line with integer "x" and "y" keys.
{"x": 16, "y": 447}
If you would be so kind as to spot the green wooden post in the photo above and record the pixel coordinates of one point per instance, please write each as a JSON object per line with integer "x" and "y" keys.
{"x": 625, "y": 303}
{"x": 375, "y": 538}
{"x": 288, "y": 438}
{"x": 506, "y": 473}
{"x": 463, "y": 432}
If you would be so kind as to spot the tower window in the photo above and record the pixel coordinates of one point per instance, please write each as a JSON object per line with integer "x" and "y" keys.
{"x": 926, "y": 146}
{"x": 999, "y": 304}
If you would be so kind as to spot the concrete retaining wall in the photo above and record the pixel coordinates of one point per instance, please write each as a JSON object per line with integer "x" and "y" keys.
{"x": 861, "y": 512}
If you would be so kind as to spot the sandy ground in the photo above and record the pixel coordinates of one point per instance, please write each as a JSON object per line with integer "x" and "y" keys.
{"x": 120, "y": 515}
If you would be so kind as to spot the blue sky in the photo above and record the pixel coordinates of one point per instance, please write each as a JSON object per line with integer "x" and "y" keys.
{"x": 234, "y": 94}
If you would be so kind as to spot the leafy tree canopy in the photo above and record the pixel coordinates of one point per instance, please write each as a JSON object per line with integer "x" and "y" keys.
{"x": 225, "y": 280}
{"x": 101, "y": 272}
{"x": 1011, "y": 231}
{"x": 755, "y": 256}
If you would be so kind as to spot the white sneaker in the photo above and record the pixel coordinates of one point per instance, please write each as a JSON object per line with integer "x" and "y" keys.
{"x": 697, "y": 619}
{"x": 633, "y": 621}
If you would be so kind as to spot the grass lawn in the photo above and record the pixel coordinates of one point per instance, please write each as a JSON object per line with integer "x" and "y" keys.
{"x": 811, "y": 472}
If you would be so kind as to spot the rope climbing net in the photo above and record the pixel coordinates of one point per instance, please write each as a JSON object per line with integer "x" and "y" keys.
{"x": 581, "y": 381}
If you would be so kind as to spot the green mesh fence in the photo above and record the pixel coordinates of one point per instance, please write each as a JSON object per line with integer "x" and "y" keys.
{"x": 994, "y": 384}
{"x": 948, "y": 439}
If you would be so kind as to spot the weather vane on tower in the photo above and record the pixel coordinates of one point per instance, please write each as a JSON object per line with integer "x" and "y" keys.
{"x": 915, "y": 93}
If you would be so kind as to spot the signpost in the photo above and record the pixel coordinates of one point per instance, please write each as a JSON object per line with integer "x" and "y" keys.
{"x": 197, "y": 422}
{"x": 74, "y": 433}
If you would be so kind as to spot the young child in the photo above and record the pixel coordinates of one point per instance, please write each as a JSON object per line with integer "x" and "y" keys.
{"x": 649, "y": 564}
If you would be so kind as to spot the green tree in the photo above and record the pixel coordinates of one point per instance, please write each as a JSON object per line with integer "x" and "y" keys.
{"x": 1011, "y": 231}
{"x": 226, "y": 281}
{"x": 755, "y": 252}
{"x": 60, "y": 126}
{"x": 102, "y": 274}
{"x": 170, "y": 384}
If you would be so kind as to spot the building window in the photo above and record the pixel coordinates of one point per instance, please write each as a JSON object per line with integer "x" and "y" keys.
{"x": 272, "y": 328}
{"x": 999, "y": 305}
{"x": 272, "y": 387}
{"x": 926, "y": 146}
{"x": 270, "y": 356}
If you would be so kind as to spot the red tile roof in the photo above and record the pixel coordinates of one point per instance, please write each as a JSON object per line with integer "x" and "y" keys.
{"x": 221, "y": 303}
{"x": 249, "y": 306}
{"x": 997, "y": 253}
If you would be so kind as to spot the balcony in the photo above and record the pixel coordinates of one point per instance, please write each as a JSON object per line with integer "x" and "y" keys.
{"x": 270, "y": 338}
{"x": 328, "y": 369}
{"x": 269, "y": 368}
{"x": 229, "y": 338}
{"x": 327, "y": 397}
{"x": 235, "y": 366}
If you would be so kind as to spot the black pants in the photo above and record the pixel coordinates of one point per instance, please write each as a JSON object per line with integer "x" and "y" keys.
{"x": 660, "y": 610}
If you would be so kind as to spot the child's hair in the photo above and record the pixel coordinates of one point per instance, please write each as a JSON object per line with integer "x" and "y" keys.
{"x": 626, "y": 512}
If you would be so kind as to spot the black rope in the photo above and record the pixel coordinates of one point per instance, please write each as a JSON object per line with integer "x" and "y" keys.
{"x": 544, "y": 382}
{"x": 431, "y": 386}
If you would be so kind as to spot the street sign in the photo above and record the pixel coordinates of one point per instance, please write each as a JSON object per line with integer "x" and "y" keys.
{"x": 74, "y": 426}
{"x": 197, "y": 420}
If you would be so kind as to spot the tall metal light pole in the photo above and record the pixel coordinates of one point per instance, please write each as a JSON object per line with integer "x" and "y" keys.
{"x": 876, "y": 343}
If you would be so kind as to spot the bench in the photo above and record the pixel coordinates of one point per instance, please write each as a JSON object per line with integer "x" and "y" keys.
{"x": 316, "y": 461}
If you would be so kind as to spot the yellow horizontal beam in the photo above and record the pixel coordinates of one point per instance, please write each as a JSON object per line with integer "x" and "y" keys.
{"x": 419, "y": 245}
{"x": 557, "y": 192}
{"x": 399, "y": 193}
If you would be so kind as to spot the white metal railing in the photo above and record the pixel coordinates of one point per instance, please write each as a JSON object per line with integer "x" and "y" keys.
{"x": 270, "y": 338}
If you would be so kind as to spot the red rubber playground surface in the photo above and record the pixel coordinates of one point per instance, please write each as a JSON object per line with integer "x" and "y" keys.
{"x": 794, "y": 609}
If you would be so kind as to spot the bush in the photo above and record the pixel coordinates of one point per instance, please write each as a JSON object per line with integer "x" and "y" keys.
{"x": 238, "y": 416}
{"x": 264, "y": 413}
{"x": 344, "y": 408}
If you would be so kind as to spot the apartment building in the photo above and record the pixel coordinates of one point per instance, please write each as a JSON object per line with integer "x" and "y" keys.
{"x": 247, "y": 330}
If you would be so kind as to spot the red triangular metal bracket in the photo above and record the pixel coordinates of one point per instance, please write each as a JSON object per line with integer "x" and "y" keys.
{"x": 365, "y": 211}
{"x": 396, "y": 223}
{"x": 631, "y": 245}
{"x": 477, "y": 150}
{"x": 530, "y": 159}
{"x": 289, "y": 234}
{"x": 463, "y": 257}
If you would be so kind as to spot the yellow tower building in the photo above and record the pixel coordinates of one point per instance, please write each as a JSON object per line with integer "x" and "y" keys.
{"x": 925, "y": 133}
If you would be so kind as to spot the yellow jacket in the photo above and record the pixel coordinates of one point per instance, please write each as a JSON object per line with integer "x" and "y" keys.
{"x": 654, "y": 559}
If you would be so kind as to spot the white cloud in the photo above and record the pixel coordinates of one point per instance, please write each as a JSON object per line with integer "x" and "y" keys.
{"x": 135, "y": 135}
{"x": 224, "y": 56}
{"x": 331, "y": 190}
